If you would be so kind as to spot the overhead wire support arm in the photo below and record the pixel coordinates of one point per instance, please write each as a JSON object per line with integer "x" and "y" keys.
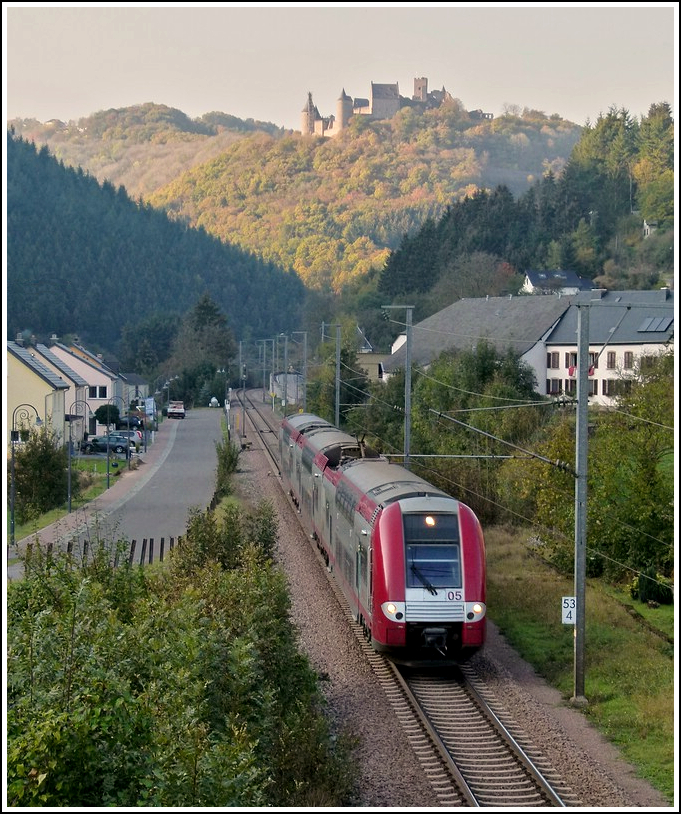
{"x": 562, "y": 465}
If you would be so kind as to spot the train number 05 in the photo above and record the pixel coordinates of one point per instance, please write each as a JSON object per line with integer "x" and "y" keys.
{"x": 454, "y": 596}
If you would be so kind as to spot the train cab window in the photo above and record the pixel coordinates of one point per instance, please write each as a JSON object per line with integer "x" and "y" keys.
{"x": 433, "y": 553}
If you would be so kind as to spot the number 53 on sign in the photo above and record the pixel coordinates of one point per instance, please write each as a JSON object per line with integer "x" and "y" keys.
{"x": 569, "y": 607}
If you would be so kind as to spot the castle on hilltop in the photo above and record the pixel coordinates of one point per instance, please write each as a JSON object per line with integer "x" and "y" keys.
{"x": 383, "y": 103}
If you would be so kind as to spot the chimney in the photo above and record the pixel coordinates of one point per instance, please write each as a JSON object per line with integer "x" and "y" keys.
{"x": 20, "y": 340}
{"x": 598, "y": 293}
{"x": 53, "y": 339}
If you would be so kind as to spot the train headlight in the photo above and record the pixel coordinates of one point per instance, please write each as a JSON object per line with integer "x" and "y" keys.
{"x": 475, "y": 611}
{"x": 394, "y": 611}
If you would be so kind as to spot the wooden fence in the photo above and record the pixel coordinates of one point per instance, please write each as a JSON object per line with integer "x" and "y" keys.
{"x": 146, "y": 550}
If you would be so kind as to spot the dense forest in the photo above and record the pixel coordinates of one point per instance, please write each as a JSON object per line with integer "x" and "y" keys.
{"x": 84, "y": 258}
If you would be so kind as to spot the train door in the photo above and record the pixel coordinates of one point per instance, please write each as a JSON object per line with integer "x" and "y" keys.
{"x": 329, "y": 531}
{"x": 315, "y": 498}
{"x": 362, "y": 570}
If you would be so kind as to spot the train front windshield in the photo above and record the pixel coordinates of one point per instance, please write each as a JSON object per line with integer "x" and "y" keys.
{"x": 433, "y": 551}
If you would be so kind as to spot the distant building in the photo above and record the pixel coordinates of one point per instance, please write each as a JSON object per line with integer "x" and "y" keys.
{"x": 649, "y": 228}
{"x": 383, "y": 103}
{"x": 553, "y": 281}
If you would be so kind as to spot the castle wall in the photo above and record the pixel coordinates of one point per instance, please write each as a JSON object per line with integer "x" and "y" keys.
{"x": 384, "y": 103}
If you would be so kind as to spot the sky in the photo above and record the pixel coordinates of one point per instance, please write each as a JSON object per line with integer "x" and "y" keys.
{"x": 259, "y": 60}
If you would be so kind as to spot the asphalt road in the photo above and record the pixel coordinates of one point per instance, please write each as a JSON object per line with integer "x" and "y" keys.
{"x": 185, "y": 479}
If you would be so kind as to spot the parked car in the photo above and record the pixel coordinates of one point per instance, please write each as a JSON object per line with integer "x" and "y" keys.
{"x": 102, "y": 443}
{"x": 134, "y": 436}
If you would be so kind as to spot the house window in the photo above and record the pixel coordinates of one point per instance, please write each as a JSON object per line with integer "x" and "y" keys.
{"x": 552, "y": 387}
{"x": 570, "y": 386}
{"x": 593, "y": 387}
{"x": 97, "y": 391}
{"x": 570, "y": 359}
{"x": 646, "y": 363}
{"x": 553, "y": 360}
{"x": 616, "y": 387}
{"x": 611, "y": 361}
{"x": 593, "y": 360}
{"x": 628, "y": 360}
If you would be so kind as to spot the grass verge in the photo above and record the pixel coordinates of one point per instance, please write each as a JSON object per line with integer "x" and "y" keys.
{"x": 628, "y": 665}
{"x": 92, "y": 472}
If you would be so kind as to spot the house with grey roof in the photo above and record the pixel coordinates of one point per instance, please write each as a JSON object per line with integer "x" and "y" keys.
{"x": 519, "y": 323}
{"x": 78, "y": 412}
{"x": 554, "y": 281}
{"x": 103, "y": 385}
{"x": 33, "y": 391}
{"x": 626, "y": 328}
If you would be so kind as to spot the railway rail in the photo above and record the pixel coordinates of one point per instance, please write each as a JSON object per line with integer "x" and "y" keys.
{"x": 470, "y": 750}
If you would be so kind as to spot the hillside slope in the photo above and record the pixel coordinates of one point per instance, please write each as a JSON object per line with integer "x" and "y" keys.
{"x": 328, "y": 208}
{"x": 84, "y": 258}
{"x": 331, "y": 209}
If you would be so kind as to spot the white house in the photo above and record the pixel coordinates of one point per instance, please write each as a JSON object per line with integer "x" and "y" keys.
{"x": 625, "y": 329}
{"x": 554, "y": 281}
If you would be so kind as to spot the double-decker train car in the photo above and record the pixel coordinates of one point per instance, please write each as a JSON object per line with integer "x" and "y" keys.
{"x": 409, "y": 558}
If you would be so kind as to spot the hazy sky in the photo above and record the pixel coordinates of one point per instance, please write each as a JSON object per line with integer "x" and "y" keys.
{"x": 259, "y": 60}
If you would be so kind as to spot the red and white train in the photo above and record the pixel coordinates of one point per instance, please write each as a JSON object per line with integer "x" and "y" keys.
{"x": 409, "y": 558}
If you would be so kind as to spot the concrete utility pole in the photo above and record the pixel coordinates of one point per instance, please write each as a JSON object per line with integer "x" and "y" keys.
{"x": 407, "y": 381}
{"x": 581, "y": 445}
{"x": 338, "y": 379}
{"x": 285, "y": 374}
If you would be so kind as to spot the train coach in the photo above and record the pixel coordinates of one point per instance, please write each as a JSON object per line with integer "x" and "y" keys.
{"x": 409, "y": 558}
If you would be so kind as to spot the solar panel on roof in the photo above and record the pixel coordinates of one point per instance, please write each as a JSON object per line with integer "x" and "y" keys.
{"x": 655, "y": 324}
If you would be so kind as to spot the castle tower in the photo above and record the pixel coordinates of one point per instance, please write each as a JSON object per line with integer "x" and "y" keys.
{"x": 308, "y": 117}
{"x": 343, "y": 110}
{"x": 420, "y": 89}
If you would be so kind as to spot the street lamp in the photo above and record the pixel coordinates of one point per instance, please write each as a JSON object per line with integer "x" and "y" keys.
{"x": 23, "y": 411}
{"x": 74, "y": 405}
{"x": 108, "y": 436}
{"x": 167, "y": 384}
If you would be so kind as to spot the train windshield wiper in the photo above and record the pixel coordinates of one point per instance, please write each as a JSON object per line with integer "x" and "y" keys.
{"x": 423, "y": 580}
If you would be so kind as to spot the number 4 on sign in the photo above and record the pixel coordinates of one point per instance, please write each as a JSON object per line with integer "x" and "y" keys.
{"x": 569, "y": 607}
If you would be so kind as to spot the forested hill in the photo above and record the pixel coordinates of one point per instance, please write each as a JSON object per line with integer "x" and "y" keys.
{"x": 334, "y": 208}
{"x": 83, "y": 258}
{"x": 142, "y": 147}
{"x": 329, "y": 208}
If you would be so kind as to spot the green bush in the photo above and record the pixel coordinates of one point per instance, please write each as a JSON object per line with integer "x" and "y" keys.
{"x": 228, "y": 460}
{"x": 181, "y": 686}
{"x": 40, "y": 475}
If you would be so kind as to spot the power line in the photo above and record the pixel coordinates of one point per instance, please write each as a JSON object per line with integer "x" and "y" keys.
{"x": 563, "y": 465}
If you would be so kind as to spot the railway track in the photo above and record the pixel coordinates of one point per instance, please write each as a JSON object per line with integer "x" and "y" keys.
{"x": 470, "y": 750}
